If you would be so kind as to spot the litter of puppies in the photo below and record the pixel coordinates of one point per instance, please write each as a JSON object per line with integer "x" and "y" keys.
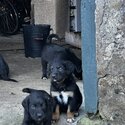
{"x": 42, "y": 108}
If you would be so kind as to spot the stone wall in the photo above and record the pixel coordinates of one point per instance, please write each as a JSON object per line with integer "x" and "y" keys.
{"x": 110, "y": 32}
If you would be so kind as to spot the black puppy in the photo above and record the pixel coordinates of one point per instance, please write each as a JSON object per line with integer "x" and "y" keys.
{"x": 51, "y": 51}
{"x": 4, "y": 70}
{"x": 64, "y": 90}
{"x": 37, "y": 107}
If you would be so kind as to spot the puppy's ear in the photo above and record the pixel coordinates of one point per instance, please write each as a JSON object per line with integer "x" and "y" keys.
{"x": 49, "y": 101}
{"x": 78, "y": 66}
{"x": 69, "y": 66}
{"x": 25, "y": 104}
{"x": 46, "y": 95}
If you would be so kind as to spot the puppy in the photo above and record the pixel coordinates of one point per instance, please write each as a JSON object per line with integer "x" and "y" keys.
{"x": 51, "y": 51}
{"x": 4, "y": 70}
{"x": 64, "y": 90}
{"x": 37, "y": 107}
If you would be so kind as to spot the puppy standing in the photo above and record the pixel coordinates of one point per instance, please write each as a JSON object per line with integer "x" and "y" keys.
{"x": 37, "y": 107}
{"x": 64, "y": 90}
{"x": 4, "y": 70}
{"x": 51, "y": 51}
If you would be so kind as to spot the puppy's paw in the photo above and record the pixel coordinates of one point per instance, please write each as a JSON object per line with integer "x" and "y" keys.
{"x": 76, "y": 114}
{"x": 53, "y": 122}
{"x": 70, "y": 120}
{"x": 55, "y": 117}
{"x": 70, "y": 116}
{"x": 44, "y": 78}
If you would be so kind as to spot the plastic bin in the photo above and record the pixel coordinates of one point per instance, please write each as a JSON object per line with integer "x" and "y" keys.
{"x": 35, "y": 37}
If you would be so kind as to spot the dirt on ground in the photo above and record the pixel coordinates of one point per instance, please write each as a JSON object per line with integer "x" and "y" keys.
{"x": 27, "y": 71}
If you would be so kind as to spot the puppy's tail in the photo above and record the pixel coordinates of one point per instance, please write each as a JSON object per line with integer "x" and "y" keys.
{"x": 52, "y": 36}
{"x": 12, "y": 80}
{"x": 9, "y": 79}
{"x": 29, "y": 90}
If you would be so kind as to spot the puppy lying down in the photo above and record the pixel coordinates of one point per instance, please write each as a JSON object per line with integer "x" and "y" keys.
{"x": 37, "y": 107}
{"x": 4, "y": 70}
{"x": 64, "y": 90}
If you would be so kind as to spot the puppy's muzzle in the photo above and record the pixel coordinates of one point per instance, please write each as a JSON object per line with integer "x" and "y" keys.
{"x": 53, "y": 76}
{"x": 39, "y": 116}
{"x": 55, "y": 79}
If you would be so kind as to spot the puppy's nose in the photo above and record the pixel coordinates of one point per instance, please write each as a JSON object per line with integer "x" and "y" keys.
{"x": 53, "y": 76}
{"x": 39, "y": 115}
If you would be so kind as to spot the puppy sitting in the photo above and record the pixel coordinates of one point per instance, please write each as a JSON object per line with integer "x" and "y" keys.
{"x": 4, "y": 70}
{"x": 37, "y": 107}
{"x": 64, "y": 90}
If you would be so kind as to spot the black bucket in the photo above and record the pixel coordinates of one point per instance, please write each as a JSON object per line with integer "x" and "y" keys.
{"x": 35, "y": 37}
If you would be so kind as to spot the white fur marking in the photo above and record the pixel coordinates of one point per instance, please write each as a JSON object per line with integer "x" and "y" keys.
{"x": 65, "y": 96}
{"x": 59, "y": 99}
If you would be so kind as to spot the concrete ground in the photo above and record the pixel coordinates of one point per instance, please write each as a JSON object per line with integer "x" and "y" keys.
{"x": 28, "y": 72}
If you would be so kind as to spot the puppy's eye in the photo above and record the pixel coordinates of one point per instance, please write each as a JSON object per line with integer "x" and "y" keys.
{"x": 33, "y": 106}
{"x": 60, "y": 68}
{"x": 42, "y": 105}
{"x": 51, "y": 68}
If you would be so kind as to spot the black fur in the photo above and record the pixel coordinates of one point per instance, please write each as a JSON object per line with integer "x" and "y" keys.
{"x": 62, "y": 81}
{"x": 4, "y": 70}
{"x": 37, "y": 107}
{"x": 51, "y": 51}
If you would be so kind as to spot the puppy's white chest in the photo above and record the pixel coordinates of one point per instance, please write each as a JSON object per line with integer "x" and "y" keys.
{"x": 63, "y": 96}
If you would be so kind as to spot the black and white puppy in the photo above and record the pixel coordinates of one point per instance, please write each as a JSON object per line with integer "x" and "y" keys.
{"x": 4, "y": 70}
{"x": 37, "y": 107}
{"x": 51, "y": 51}
{"x": 64, "y": 90}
